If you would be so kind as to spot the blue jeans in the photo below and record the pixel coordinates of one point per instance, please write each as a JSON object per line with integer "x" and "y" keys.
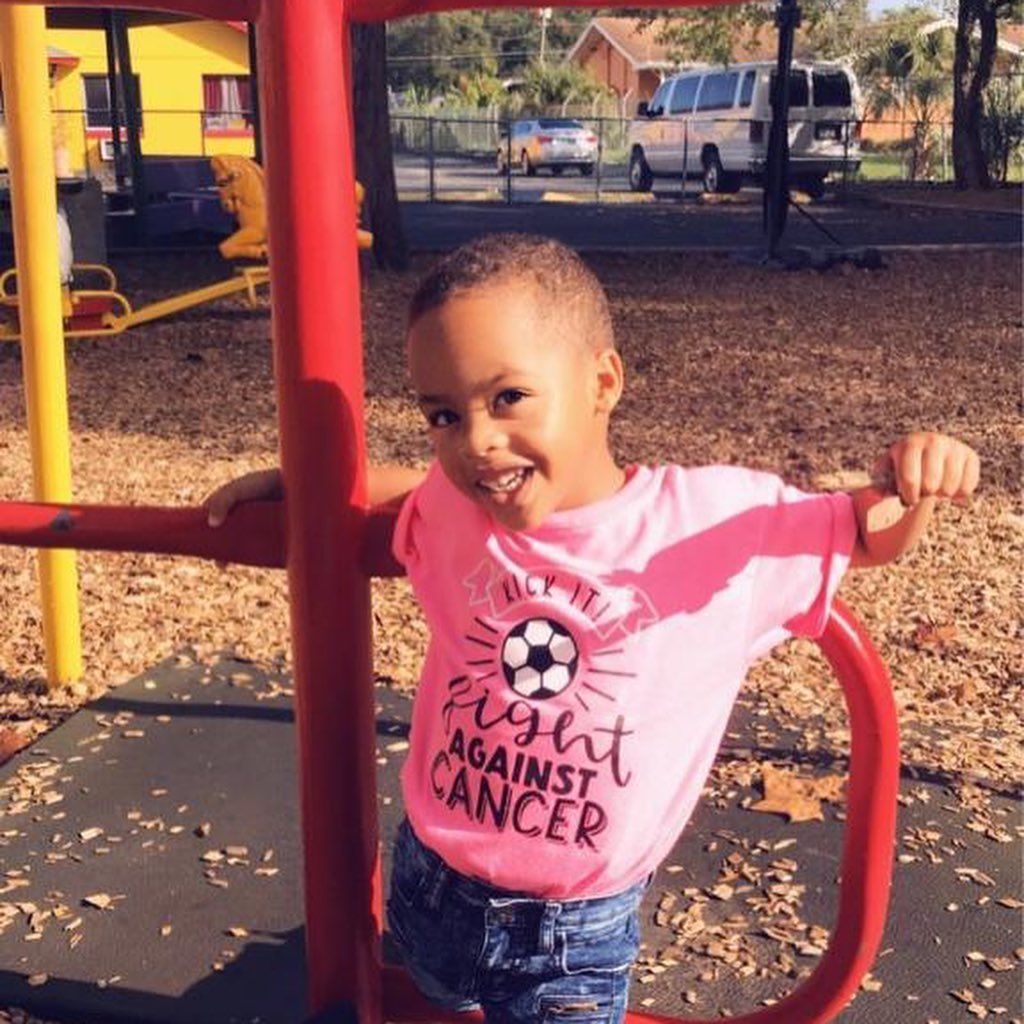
{"x": 523, "y": 959}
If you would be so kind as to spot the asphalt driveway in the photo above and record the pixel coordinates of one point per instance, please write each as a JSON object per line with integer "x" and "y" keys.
{"x": 668, "y": 222}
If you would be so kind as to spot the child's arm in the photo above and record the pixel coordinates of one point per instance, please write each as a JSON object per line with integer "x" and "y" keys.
{"x": 921, "y": 469}
{"x": 386, "y": 488}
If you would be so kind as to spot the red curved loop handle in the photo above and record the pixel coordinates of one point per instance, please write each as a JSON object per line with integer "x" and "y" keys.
{"x": 867, "y": 850}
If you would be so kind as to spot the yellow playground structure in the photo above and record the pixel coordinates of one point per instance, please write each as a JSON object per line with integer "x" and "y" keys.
{"x": 89, "y": 312}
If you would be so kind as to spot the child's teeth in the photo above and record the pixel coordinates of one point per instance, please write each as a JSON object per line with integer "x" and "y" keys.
{"x": 506, "y": 482}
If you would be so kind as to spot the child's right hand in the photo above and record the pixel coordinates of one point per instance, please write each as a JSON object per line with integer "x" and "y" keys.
{"x": 264, "y": 485}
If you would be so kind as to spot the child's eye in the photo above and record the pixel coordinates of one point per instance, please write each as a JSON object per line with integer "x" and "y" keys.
{"x": 440, "y": 418}
{"x": 510, "y": 396}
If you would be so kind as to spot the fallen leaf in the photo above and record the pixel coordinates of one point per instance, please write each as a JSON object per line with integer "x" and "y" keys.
{"x": 798, "y": 798}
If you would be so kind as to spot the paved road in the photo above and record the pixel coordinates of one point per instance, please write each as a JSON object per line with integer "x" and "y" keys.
{"x": 668, "y": 224}
{"x": 668, "y": 221}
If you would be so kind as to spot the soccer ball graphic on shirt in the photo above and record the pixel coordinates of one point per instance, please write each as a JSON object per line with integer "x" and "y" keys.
{"x": 539, "y": 658}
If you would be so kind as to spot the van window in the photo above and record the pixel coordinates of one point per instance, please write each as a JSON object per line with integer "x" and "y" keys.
{"x": 747, "y": 88}
{"x": 831, "y": 89}
{"x": 657, "y": 104}
{"x": 799, "y": 93}
{"x": 718, "y": 91}
{"x": 684, "y": 95}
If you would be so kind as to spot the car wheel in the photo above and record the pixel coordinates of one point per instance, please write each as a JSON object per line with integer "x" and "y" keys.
{"x": 586, "y": 170}
{"x": 557, "y": 170}
{"x": 499, "y": 163}
{"x": 640, "y": 177}
{"x": 525, "y": 165}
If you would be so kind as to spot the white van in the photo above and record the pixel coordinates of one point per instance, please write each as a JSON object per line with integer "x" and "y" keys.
{"x": 717, "y": 119}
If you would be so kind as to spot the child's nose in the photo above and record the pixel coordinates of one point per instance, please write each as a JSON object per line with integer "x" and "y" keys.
{"x": 481, "y": 435}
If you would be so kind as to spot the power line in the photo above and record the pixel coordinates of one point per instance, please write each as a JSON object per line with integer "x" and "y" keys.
{"x": 407, "y": 58}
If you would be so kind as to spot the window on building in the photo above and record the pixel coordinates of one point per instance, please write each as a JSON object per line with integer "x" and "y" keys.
{"x": 226, "y": 103}
{"x": 97, "y": 99}
{"x": 718, "y": 91}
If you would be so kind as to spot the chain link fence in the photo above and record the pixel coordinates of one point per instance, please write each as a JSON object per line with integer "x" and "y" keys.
{"x": 453, "y": 157}
{"x": 442, "y": 158}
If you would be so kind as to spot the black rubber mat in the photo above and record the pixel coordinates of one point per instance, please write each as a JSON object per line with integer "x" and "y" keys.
{"x": 150, "y": 872}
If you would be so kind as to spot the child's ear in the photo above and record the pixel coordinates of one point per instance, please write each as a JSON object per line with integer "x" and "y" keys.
{"x": 608, "y": 375}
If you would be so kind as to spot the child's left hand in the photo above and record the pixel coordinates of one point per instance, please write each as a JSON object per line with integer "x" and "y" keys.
{"x": 929, "y": 465}
{"x": 921, "y": 469}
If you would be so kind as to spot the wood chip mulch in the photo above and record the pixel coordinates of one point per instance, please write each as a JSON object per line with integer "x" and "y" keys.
{"x": 806, "y": 374}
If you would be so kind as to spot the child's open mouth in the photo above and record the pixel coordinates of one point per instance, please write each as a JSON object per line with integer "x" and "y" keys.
{"x": 504, "y": 487}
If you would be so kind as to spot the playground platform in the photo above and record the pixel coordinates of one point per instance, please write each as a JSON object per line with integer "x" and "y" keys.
{"x": 150, "y": 871}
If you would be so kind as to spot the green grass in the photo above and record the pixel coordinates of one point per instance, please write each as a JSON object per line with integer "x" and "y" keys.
{"x": 892, "y": 167}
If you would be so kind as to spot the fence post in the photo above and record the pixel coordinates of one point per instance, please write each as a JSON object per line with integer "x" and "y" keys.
{"x": 600, "y": 158}
{"x": 686, "y": 155}
{"x": 846, "y": 156}
{"x": 508, "y": 162}
{"x": 430, "y": 157}
{"x": 904, "y": 163}
{"x": 85, "y": 150}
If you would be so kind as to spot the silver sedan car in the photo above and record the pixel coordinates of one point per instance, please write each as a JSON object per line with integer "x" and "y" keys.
{"x": 554, "y": 142}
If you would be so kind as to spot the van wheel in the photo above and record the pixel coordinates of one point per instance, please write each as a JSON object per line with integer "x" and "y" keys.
{"x": 640, "y": 177}
{"x": 814, "y": 187}
{"x": 524, "y": 163}
{"x": 715, "y": 178}
{"x": 586, "y": 170}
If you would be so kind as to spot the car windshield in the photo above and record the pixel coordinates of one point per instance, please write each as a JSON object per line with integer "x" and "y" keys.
{"x": 556, "y": 122}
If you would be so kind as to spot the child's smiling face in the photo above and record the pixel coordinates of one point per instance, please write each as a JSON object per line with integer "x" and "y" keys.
{"x": 517, "y": 406}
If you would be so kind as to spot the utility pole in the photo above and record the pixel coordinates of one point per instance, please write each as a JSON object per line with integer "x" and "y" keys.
{"x": 545, "y": 17}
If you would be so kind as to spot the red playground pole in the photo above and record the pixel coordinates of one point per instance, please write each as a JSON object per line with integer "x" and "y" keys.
{"x": 307, "y": 129}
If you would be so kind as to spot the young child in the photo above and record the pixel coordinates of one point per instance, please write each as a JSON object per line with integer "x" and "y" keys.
{"x": 590, "y": 623}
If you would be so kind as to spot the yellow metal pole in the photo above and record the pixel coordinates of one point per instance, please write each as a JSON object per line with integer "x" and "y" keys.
{"x": 34, "y": 210}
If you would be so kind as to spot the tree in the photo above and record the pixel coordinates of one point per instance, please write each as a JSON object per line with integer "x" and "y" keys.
{"x": 905, "y": 70}
{"x": 974, "y": 56}
{"x": 479, "y": 88}
{"x": 831, "y": 28}
{"x": 557, "y": 85}
{"x": 375, "y": 167}
{"x": 1003, "y": 126}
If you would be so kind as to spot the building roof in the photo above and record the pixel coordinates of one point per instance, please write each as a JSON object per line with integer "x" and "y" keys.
{"x": 1013, "y": 34}
{"x": 640, "y": 45}
{"x": 92, "y": 17}
{"x": 55, "y": 55}
{"x": 635, "y": 41}
{"x": 1010, "y": 38}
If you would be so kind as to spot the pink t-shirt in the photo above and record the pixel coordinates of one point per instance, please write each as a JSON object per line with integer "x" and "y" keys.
{"x": 580, "y": 675}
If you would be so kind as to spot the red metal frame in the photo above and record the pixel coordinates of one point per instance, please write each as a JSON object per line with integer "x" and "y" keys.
{"x": 304, "y": 61}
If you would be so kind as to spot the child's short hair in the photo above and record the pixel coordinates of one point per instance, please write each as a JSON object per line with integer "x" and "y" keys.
{"x": 553, "y": 269}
